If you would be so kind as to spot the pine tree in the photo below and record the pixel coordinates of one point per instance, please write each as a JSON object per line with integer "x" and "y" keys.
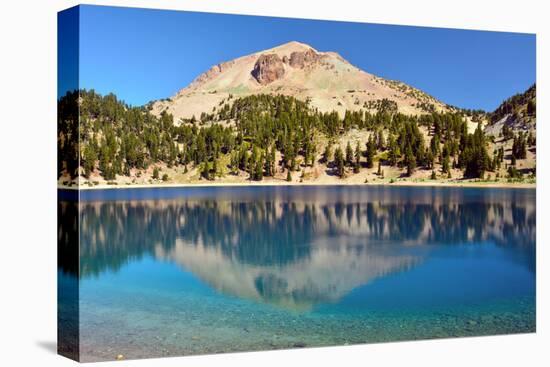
{"x": 204, "y": 170}
{"x": 531, "y": 107}
{"x": 272, "y": 161}
{"x": 339, "y": 162}
{"x": 394, "y": 152}
{"x": 410, "y": 161}
{"x": 445, "y": 164}
{"x": 327, "y": 154}
{"x": 90, "y": 157}
{"x": 381, "y": 142}
{"x": 258, "y": 170}
{"x": 269, "y": 167}
{"x": 519, "y": 146}
{"x": 474, "y": 158}
{"x": 429, "y": 159}
{"x": 358, "y": 153}
{"x": 349, "y": 155}
{"x": 434, "y": 145}
{"x": 215, "y": 167}
{"x": 531, "y": 139}
{"x": 371, "y": 152}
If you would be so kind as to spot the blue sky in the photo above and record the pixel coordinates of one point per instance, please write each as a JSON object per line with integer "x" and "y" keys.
{"x": 141, "y": 54}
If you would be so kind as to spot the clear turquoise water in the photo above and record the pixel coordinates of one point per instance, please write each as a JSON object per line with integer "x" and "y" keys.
{"x": 167, "y": 272}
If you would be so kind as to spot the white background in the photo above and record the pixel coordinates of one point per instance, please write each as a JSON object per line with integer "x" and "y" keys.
{"x": 28, "y": 180}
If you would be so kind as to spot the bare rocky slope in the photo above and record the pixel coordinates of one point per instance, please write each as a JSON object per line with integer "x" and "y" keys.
{"x": 518, "y": 113}
{"x": 295, "y": 69}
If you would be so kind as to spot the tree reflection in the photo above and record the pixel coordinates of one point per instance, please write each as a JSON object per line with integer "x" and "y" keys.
{"x": 267, "y": 232}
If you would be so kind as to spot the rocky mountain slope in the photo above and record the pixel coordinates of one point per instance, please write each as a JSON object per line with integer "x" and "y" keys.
{"x": 295, "y": 69}
{"x": 517, "y": 113}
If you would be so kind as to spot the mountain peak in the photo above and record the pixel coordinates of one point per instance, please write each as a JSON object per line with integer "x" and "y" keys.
{"x": 296, "y": 69}
{"x": 292, "y": 46}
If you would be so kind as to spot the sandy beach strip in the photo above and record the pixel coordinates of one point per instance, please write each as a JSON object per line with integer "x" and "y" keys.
{"x": 457, "y": 184}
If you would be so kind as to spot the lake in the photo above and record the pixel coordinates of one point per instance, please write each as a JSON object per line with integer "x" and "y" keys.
{"x": 180, "y": 271}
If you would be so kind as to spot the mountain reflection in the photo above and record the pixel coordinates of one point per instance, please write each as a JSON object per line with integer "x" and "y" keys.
{"x": 296, "y": 250}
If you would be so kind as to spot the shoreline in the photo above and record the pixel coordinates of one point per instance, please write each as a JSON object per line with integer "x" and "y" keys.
{"x": 467, "y": 184}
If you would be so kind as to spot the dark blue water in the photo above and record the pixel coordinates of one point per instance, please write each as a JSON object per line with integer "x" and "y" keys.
{"x": 205, "y": 270}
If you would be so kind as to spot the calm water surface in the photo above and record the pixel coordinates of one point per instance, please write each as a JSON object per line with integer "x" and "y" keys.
{"x": 168, "y": 272}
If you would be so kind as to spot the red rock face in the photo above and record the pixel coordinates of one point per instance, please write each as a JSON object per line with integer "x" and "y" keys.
{"x": 268, "y": 68}
{"x": 302, "y": 59}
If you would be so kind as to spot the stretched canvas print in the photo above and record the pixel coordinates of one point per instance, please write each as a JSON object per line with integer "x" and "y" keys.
{"x": 235, "y": 183}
